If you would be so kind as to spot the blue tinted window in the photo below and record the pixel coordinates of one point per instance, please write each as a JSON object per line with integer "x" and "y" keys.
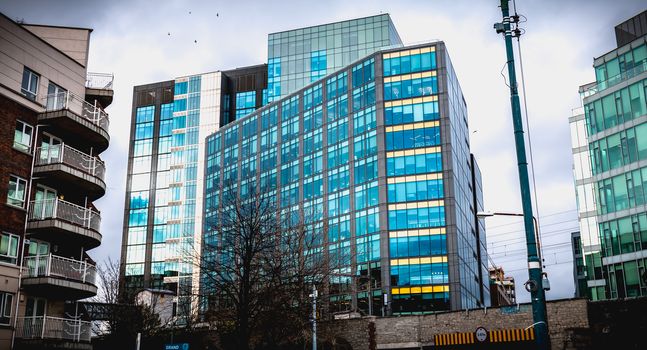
{"x": 412, "y": 138}
{"x": 145, "y": 114}
{"x": 411, "y": 113}
{"x": 181, "y": 88}
{"x": 410, "y": 88}
{"x": 414, "y": 164}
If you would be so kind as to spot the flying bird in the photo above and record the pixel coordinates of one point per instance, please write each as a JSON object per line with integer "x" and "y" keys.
{"x": 195, "y": 41}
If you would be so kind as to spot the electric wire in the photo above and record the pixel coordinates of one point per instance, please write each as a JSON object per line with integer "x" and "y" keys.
{"x": 532, "y": 160}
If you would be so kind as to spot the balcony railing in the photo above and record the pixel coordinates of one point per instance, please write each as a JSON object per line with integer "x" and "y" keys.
{"x": 102, "y": 81}
{"x": 58, "y": 266}
{"x": 68, "y": 100}
{"x": 66, "y": 211}
{"x": 46, "y": 327}
{"x": 615, "y": 80}
{"x": 67, "y": 155}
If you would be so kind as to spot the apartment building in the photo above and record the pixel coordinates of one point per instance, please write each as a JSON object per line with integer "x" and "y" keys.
{"x": 55, "y": 128}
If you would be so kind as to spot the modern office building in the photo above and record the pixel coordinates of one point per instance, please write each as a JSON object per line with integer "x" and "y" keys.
{"x": 579, "y": 276}
{"x": 610, "y": 150}
{"x": 170, "y": 120}
{"x": 54, "y": 129}
{"x": 380, "y": 151}
{"x": 299, "y": 57}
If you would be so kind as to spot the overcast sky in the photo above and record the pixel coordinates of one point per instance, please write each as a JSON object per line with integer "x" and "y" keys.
{"x": 130, "y": 39}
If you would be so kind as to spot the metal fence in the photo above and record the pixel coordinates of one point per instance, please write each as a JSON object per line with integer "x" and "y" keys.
{"x": 66, "y": 211}
{"x": 69, "y": 156}
{"x": 46, "y": 327}
{"x": 67, "y": 100}
{"x": 101, "y": 81}
{"x": 58, "y": 266}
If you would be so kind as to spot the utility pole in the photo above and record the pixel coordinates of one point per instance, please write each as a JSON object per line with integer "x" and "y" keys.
{"x": 314, "y": 317}
{"x": 534, "y": 284}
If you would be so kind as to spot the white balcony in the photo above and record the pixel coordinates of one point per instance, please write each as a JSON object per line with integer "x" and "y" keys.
{"x": 46, "y": 327}
{"x": 72, "y": 118}
{"x": 68, "y": 169}
{"x": 100, "y": 81}
{"x": 67, "y": 155}
{"x": 61, "y": 222}
{"x": 60, "y": 267}
{"x": 65, "y": 211}
{"x": 67, "y": 100}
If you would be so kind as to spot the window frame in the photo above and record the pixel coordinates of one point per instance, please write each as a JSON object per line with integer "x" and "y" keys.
{"x": 18, "y": 181}
{"x": 31, "y": 95}
{"x": 7, "y": 258}
{"x": 6, "y": 299}
{"x": 31, "y": 136}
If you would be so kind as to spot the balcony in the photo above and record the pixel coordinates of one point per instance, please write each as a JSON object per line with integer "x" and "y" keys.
{"x": 615, "y": 80}
{"x": 68, "y": 169}
{"x": 98, "y": 86}
{"x": 55, "y": 276}
{"x": 46, "y": 332}
{"x": 74, "y": 119}
{"x": 61, "y": 222}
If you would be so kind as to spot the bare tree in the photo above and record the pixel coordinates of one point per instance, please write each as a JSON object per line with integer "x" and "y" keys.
{"x": 258, "y": 264}
{"x": 122, "y": 321}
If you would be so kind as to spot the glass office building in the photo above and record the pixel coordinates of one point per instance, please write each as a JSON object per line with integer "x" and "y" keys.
{"x": 164, "y": 197}
{"x": 380, "y": 149}
{"x": 299, "y": 57}
{"x": 614, "y": 131}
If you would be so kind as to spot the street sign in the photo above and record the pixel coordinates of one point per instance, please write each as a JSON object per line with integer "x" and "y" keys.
{"x": 180, "y": 346}
{"x": 481, "y": 334}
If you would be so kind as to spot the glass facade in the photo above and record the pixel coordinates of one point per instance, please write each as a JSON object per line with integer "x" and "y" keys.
{"x": 164, "y": 194}
{"x": 301, "y": 56}
{"x": 370, "y": 176}
{"x": 610, "y": 145}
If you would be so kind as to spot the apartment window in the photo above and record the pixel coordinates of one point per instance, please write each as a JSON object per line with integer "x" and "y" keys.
{"x": 22, "y": 136}
{"x": 16, "y": 194}
{"x": 8, "y": 248}
{"x": 6, "y": 301}
{"x": 56, "y": 97}
{"x": 30, "y": 83}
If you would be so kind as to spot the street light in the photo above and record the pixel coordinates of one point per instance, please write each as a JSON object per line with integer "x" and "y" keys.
{"x": 485, "y": 214}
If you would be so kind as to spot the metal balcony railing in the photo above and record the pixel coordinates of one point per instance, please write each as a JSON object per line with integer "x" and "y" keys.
{"x": 615, "y": 80}
{"x": 76, "y": 104}
{"x": 67, "y": 155}
{"x": 102, "y": 81}
{"x": 46, "y": 327}
{"x": 58, "y": 266}
{"x": 66, "y": 211}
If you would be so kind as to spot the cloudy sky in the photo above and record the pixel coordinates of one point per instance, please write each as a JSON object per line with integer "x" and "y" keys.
{"x": 130, "y": 39}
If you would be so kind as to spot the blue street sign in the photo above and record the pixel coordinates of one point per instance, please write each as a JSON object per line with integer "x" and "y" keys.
{"x": 181, "y": 346}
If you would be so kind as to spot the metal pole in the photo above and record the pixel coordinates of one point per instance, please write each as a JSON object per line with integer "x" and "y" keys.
{"x": 534, "y": 284}
{"x": 314, "y": 317}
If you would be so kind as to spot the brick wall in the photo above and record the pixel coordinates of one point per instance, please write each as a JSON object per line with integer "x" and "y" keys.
{"x": 12, "y": 161}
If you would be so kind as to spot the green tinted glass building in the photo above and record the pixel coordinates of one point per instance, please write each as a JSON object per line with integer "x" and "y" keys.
{"x": 380, "y": 150}
{"x": 300, "y": 56}
{"x": 610, "y": 148}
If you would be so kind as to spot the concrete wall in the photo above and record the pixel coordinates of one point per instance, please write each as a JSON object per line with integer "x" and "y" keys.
{"x": 74, "y": 42}
{"x": 20, "y": 47}
{"x": 417, "y": 331}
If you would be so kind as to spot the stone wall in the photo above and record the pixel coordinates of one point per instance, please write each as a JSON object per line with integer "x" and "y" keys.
{"x": 417, "y": 331}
